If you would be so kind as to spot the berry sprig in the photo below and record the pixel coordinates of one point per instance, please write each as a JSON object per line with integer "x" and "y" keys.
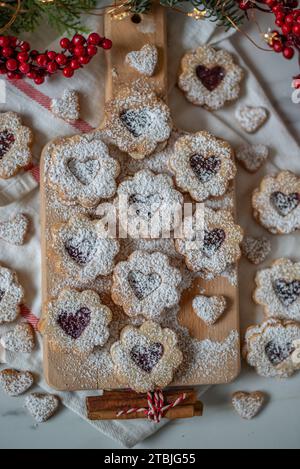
{"x": 18, "y": 61}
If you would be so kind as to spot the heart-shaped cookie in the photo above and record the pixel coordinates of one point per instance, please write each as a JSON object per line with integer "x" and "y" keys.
{"x": 146, "y": 357}
{"x": 7, "y": 139}
{"x": 205, "y": 168}
{"x": 20, "y": 339}
{"x": 211, "y": 78}
{"x": 287, "y": 292}
{"x": 252, "y": 157}
{"x": 144, "y": 60}
{"x": 14, "y": 383}
{"x": 41, "y": 406}
{"x": 14, "y": 231}
{"x": 209, "y": 309}
{"x": 75, "y": 324}
{"x": 256, "y": 250}
{"x": 67, "y": 107}
{"x": 285, "y": 203}
{"x": 213, "y": 241}
{"x": 248, "y": 405}
{"x": 251, "y": 118}
{"x": 143, "y": 284}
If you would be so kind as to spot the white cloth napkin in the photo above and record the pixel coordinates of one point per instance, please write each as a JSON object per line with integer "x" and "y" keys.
{"x": 21, "y": 194}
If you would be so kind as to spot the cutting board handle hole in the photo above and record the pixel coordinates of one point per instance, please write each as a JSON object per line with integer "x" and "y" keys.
{"x": 136, "y": 18}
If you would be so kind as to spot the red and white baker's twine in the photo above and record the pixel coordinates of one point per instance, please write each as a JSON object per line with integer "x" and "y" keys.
{"x": 156, "y": 409}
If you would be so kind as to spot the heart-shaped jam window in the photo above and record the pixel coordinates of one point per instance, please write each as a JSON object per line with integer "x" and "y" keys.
{"x": 147, "y": 356}
{"x": 143, "y": 285}
{"x": 145, "y": 205}
{"x": 7, "y": 139}
{"x": 278, "y": 353}
{"x": 81, "y": 250}
{"x": 285, "y": 203}
{"x": 2, "y": 293}
{"x": 137, "y": 122}
{"x": 74, "y": 324}
{"x": 287, "y": 292}
{"x": 211, "y": 78}
{"x": 84, "y": 171}
{"x": 213, "y": 241}
{"x": 205, "y": 168}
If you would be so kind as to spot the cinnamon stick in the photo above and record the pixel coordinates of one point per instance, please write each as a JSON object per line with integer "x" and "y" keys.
{"x": 178, "y": 412}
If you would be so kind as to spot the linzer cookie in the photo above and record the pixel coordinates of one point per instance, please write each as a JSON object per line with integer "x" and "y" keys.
{"x": 11, "y": 295}
{"x": 77, "y": 321}
{"x": 212, "y": 249}
{"x": 14, "y": 383}
{"x": 144, "y": 60}
{"x": 83, "y": 249}
{"x": 203, "y": 165}
{"x": 67, "y": 107}
{"x": 42, "y": 406}
{"x": 276, "y": 203}
{"x": 14, "y": 230}
{"x": 278, "y": 289}
{"x": 209, "y": 77}
{"x": 150, "y": 203}
{"x": 146, "y": 358}
{"x": 270, "y": 348}
{"x": 251, "y": 118}
{"x": 252, "y": 157}
{"x": 81, "y": 169}
{"x": 256, "y": 250}
{"x": 248, "y": 404}
{"x": 146, "y": 284}
{"x": 21, "y": 339}
{"x": 137, "y": 121}
{"x": 209, "y": 309}
{"x": 15, "y": 145}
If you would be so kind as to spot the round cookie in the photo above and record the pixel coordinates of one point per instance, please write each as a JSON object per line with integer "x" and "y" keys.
{"x": 146, "y": 358}
{"x": 11, "y": 295}
{"x": 15, "y": 145}
{"x": 81, "y": 169}
{"x": 278, "y": 289}
{"x": 83, "y": 249}
{"x": 276, "y": 203}
{"x": 212, "y": 250}
{"x": 137, "y": 121}
{"x": 209, "y": 77}
{"x": 269, "y": 348}
{"x": 77, "y": 321}
{"x": 146, "y": 284}
{"x": 203, "y": 165}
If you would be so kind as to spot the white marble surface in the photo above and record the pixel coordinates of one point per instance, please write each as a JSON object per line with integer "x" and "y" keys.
{"x": 278, "y": 426}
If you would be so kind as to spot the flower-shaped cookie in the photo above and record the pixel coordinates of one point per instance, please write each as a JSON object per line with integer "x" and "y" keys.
{"x": 203, "y": 165}
{"x": 278, "y": 289}
{"x": 276, "y": 203}
{"x": 149, "y": 203}
{"x": 15, "y": 145}
{"x": 81, "y": 169}
{"x": 77, "y": 321}
{"x": 83, "y": 249}
{"x": 212, "y": 250}
{"x": 11, "y": 295}
{"x": 209, "y": 77}
{"x": 137, "y": 121}
{"x": 270, "y": 346}
{"x": 146, "y": 284}
{"x": 146, "y": 358}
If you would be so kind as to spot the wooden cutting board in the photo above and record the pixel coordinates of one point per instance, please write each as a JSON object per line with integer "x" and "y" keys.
{"x": 68, "y": 372}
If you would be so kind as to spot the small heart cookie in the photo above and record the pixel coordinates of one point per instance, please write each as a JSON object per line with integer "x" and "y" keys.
{"x": 144, "y": 60}
{"x": 252, "y": 157}
{"x": 13, "y": 231}
{"x": 20, "y": 339}
{"x": 209, "y": 309}
{"x": 14, "y": 383}
{"x": 67, "y": 107}
{"x": 256, "y": 250}
{"x": 251, "y": 118}
{"x": 41, "y": 406}
{"x": 248, "y": 405}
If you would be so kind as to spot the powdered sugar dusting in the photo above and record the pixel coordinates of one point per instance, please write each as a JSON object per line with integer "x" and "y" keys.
{"x": 20, "y": 339}
{"x": 14, "y": 383}
{"x": 209, "y": 309}
{"x": 14, "y": 230}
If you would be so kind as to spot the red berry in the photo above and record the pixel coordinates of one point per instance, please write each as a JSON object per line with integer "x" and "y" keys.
{"x": 286, "y": 29}
{"x": 289, "y": 19}
{"x": 65, "y": 43}
{"x": 277, "y": 8}
{"x": 39, "y": 80}
{"x": 11, "y": 75}
{"x": 296, "y": 29}
{"x": 79, "y": 51}
{"x": 78, "y": 40}
{"x": 2, "y": 70}
{"x": 92, "y": 50}
{"x": 13, "y": 41}
{"x": 23, "y": 56}
{"x": 18, "y": 76}
{"x": 31, "y": 75}
{"x": 25, "y": 46}
{"x": 34, "y": 54}
{"x": 277, "y": 46}
{"x": 106, "y": 44}
{"x": 51, "y": 55}
{"x": 7, "y": 52}
{"x": 270, "y": 3}
{"x": 11, "y": 65}
{"x": 4, "y": 41}
{"x": 52, "y": 67}
{"x": 298, "y": 19}
{"x": 74, "y": 64}
{"x": 288, "y": 53}
{"x": 61, "y": 59}
{"x": 68, "y": 72}
{"x": 280, "y": 15}
{"x": 42, "y": 60}
{"x": 84, "y": 60}
{"x": 94, "y": 39}
{"x": 279, "y": 23}
{"x": 24, "y": 68}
